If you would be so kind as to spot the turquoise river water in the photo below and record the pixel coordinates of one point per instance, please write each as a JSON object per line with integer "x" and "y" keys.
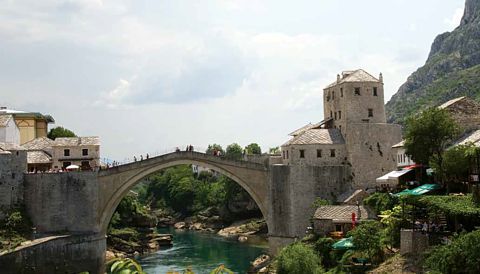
{"x": 202, "y": 252}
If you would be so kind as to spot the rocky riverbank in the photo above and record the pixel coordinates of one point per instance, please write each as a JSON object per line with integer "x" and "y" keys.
{"x": 130, "y": 242}
{"x": 141, "y": 239}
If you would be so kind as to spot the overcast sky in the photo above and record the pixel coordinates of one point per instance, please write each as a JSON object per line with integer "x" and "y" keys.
{"x": 147, "y": 76}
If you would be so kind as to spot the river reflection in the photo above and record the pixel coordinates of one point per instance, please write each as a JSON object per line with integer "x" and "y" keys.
{"x": 202, "y": 252}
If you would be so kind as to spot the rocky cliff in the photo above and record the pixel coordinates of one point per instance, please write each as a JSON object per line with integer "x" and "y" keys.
{"x": 451, "y": 70}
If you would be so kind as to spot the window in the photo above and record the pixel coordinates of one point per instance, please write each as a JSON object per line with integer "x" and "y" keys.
{"x": 332, "y": 152}
{"x": 338, "y": 228}
{"x": 283, "y": 154}
{"x": 375, "y": 91}
{"x": 287, "y": 154}
{"x": 302, "y": 153}
{"x": 331, "y": 114}
{"x": 66, "y": 152}
{"x": 319, "y": 153}
{"x": 341, "y": 92}
{"x": 357, "y": 91}
{"x": 335, "y": 115}
{"x": 339, "y": 114}
{"x": 370, "y": 112}
{"x": 85, "y": 152}
{"x": 333, "y": 95}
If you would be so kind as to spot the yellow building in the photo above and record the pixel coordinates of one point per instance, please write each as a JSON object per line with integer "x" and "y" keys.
{"x": 29, "y": 125}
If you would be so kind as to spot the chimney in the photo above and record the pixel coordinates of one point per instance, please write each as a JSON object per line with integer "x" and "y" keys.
{"x": 380, "y": 77}
{"x": 338, "y": 78}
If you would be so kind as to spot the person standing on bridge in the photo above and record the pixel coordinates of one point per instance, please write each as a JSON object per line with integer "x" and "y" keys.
{"x": 134, "y": 158}
{"x": 148, "y": 156}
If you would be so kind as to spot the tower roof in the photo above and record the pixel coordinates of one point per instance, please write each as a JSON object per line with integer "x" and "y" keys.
{"x": 317, "y": 137}
{"x": 358, "y": 75}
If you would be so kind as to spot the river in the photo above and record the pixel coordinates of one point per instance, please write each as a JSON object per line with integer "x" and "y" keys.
{"x": 202, "y": 252}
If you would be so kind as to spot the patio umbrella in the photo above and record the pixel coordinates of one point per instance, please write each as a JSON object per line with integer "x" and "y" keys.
{"x": 72, "y": 167}
{"x": 343, "y": 244}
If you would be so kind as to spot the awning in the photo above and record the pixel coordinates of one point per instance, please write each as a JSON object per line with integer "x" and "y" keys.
{"x": 343, "y": 244}
{"x": 419, "y": 190}
{"x": 393, "y": 175}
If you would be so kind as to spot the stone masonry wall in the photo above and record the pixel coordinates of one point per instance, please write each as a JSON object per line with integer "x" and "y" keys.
{"x": 370, "y": 151}
{"x": 59, "y": 202}
{"x": 310, "y": 182}
{"x": 58, "y": 254}
{"x": 12, "y": 168}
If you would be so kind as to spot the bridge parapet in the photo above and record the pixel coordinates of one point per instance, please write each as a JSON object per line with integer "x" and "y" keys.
{"x": 184, "y": 155}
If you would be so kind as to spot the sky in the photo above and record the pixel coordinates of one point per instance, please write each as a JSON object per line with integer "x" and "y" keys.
{"x": 148, "y": 76}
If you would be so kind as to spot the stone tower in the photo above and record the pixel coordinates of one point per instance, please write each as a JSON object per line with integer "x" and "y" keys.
{"x": 354, "y": 104}
{"x": 356, "y": 97}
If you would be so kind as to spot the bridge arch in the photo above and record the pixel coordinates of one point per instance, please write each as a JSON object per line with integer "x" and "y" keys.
{"x": 115, "y": 183}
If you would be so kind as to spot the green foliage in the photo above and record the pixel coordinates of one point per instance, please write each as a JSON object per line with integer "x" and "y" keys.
{"x": 323, "y": 247}
{"x": 456, "y": 164}
{"x": 367, "y": 239}
{"x": 221, "y": 270}
{"x": 451, "y": 205}
{"x": 380, "y": 201}
{"x": 461, "y": 256}
{"x": 214, "y": 147}
{"x": 428, "y": 134}
{"x": 393, "y": 222}
{"x": 14, "y": 229}
{"x": 253, "y": 148}
{"x": 16, "y": 221}
{"x": 298, "y": 258}
{"x": 124, "y": 266}
{"x": 274, "y": 150}
{"x": 320, "y": 202}
{"x": 59, "y": 132}
{"x": 234, "y": 152}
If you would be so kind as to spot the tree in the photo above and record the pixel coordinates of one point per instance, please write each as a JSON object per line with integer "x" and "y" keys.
{"x": 427, "y": 135}
{"x": 214, "y": 147}
{"x": 253, "y": 148}
{"x": 274, "y": 150}
{"x": 298, "y": 258}
{"x": 234, "y": 152}
{"x": 59, "y": 132}
{"x": 456, "y": 164}
{"x": 367, "y": 239}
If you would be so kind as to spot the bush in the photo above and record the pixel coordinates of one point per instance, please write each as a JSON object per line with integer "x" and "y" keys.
{"x": 323, "y": 247}
{"x": 367, "y": 239}
{"x": 380, "y": 201}
{"x": 298, "y": 258}
{"x": 461, "y": 256}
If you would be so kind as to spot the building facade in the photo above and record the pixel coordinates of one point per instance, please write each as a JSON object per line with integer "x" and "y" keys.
{"x": 20, "y": 127}
{"x": 81, "y": 151}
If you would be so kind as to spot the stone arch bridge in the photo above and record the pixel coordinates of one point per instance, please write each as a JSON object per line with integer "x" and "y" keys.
{"x": 116, "y": 182}
{"x": 75, "y": 208}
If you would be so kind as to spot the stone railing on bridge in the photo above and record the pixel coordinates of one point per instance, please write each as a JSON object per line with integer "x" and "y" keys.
{"x": 188, "y": 155}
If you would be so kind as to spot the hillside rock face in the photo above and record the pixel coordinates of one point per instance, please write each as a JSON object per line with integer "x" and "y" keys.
{"x": 452, "y": 70}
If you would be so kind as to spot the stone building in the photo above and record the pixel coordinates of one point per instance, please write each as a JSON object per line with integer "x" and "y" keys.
{"x": 39, "y": 154}
{"x": 353, "y": 133}
{"x": 336, "y": 220}
{"x": 81, "y": 151}
{"x": 465, "y": 112}
{"x": 340, "y": 155}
